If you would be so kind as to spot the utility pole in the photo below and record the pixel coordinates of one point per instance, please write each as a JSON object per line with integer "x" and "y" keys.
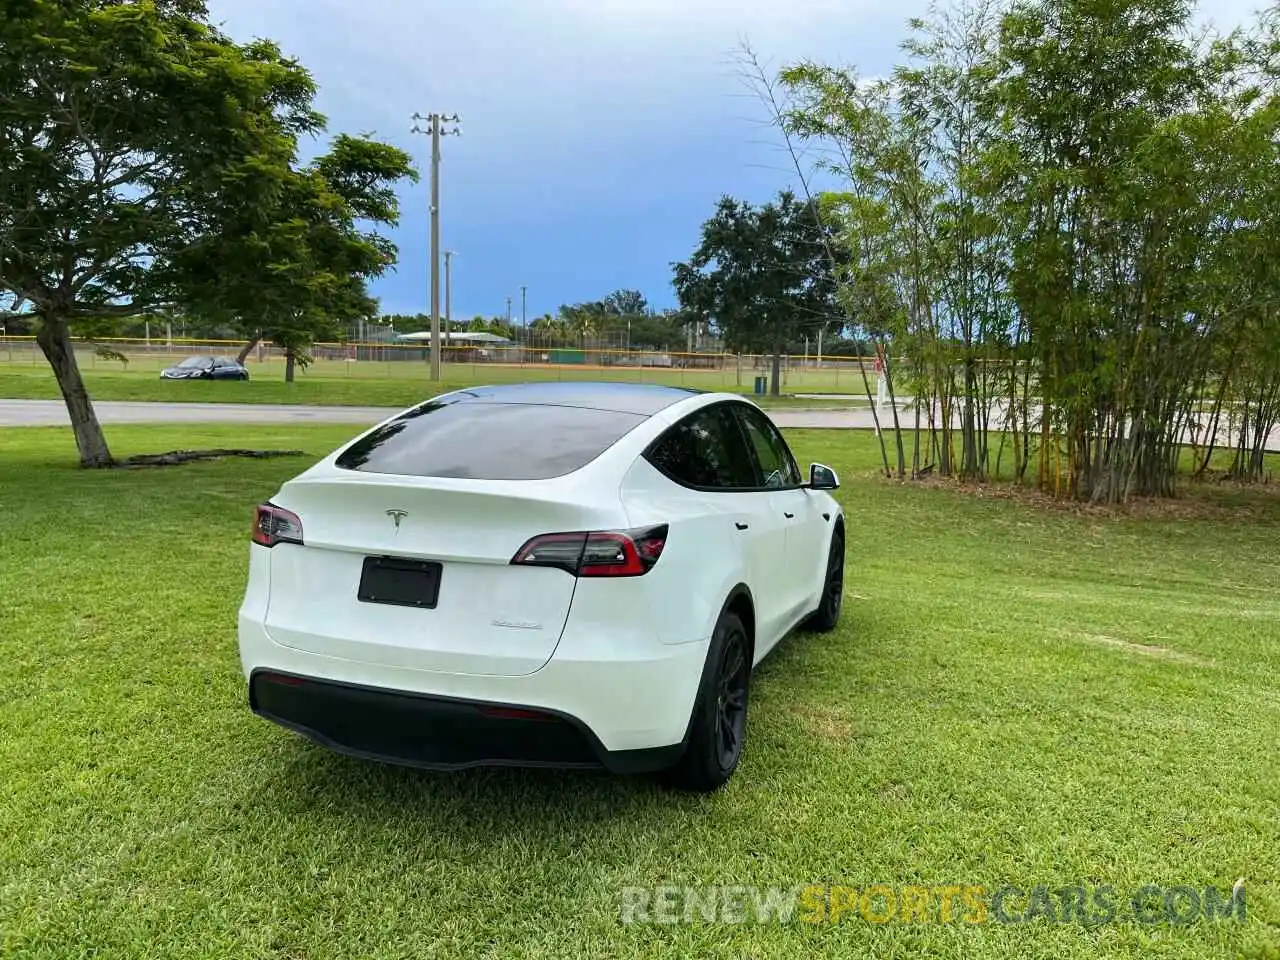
{"x": 448, "y": 295}
{"x": 524, "y": 307}
{"x": 508, "y": 312}
{"x": 436, "y": 130}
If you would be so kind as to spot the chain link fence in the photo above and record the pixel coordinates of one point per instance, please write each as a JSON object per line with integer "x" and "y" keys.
{"x": 474, "y": 363}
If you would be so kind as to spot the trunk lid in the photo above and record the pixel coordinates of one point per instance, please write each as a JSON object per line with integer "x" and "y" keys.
{"x": 489, "y": 618}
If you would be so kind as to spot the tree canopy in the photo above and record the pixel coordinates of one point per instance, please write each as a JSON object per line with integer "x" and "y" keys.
{"x": 1062, "y": 218}
{"x": 295, "y": 270}
{"x": 762, "y": 276}
{"x": 132, "y": 137}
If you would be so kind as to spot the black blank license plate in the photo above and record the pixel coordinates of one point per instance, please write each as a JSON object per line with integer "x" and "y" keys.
{"x": 403, "y": 583}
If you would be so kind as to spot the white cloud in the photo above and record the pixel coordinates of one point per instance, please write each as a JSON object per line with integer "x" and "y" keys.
{"x": 544, "y": 83}
{"x": 525, "y": 68}
{"x": 617, "y": 121}
{"x": 537, "y": 58}
{"x": 541, "y": 82}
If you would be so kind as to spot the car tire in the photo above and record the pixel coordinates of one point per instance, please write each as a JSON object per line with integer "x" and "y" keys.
{"x": 718, "y": 727}
{"x": 825, "y": 618}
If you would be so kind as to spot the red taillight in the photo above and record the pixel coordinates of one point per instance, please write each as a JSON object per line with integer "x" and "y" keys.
{"x": 612, "y": 555}
{"x": 272, "y": 525}
{"x": 602, "y": 553}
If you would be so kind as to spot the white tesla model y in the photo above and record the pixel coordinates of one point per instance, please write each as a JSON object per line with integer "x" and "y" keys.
{"x": 560, "y": 574}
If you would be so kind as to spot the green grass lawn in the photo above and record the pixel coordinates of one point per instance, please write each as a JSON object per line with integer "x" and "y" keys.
{"x": 374, "y": 384}
{"x": 1016, "y": 695}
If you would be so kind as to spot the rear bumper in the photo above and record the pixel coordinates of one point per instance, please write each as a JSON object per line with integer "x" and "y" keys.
{"x": 611, "y": 705}
{"x": 435, "y": 732}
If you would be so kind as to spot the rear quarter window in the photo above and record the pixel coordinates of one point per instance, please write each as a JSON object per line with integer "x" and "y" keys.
{"x": 707, "y": 451}
{"x": 489, "y": 441}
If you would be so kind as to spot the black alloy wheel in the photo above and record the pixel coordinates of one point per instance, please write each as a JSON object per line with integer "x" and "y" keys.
{"x": 718, "y": 727}
{"x": 731, "y": 701}
{"x": 827, "y": 615}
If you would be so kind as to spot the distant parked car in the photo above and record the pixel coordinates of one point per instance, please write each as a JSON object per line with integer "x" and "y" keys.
{"x": 206, "y": 368}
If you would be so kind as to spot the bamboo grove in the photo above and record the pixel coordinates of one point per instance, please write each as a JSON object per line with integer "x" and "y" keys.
{"x": 1061, "y": 218}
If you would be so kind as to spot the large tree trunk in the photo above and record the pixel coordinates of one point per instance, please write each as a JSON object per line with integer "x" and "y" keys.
{"x": 54, "y": 338}
{"x": 288, "y": 364}
{"x": 776, "y": 387}
{"x": 247, "y": 349}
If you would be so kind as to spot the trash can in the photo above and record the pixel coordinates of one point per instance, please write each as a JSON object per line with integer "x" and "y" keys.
{"x": 762, "y": 386}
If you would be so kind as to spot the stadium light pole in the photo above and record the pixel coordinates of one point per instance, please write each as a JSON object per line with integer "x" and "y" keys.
{"x": 435, "y": 130}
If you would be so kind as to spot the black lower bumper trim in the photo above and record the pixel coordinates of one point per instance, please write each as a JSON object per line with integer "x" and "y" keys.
{"x": 435, "y": 732}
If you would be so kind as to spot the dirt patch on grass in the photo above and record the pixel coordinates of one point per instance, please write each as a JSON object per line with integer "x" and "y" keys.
{"x": 1198, "y": 501}
{"x": 825, "y": 723}
{"x": 176, "y": 457}
{"x": 1140, "y": 649}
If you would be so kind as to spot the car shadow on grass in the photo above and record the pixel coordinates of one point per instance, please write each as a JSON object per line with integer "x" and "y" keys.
{"x": 312, "y": 780}
{"x": 311, "y": 774}
{"x": 307, "y": 781}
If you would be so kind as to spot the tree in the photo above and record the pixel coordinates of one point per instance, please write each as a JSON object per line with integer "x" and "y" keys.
{"x": 658, "y": 331}
{"x": 583, "y": 321}
{"x": 547, "y": 330}
{"x": 1065, "y": 208}
{"x": 946, "y": 101}
{"x": 761, "y": 275}
{"x": 1115, "y": 205}
{"x": 296, "y": 271}
{"x": 927, "y": 253}
{"x": 126, "y": 131}
{"x": 498, "y": 326}
{"x": 626, "y": 303}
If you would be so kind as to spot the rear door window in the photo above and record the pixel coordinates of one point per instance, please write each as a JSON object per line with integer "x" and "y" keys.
{"x": 489, "y": 441}
{"x": 777, "y": 467}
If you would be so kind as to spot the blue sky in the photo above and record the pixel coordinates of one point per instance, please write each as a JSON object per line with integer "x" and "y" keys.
{"x": 597, "y": 134}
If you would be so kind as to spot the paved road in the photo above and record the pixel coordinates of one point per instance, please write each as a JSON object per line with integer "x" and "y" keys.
{"x": 35, "y": 413}
{"x": 44, "y": 413}
{"x": 20, "y": 413}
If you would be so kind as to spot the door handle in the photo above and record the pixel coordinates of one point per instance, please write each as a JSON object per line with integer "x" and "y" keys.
{"x": 789, "y": 516}
{"x": 742, "y": 526}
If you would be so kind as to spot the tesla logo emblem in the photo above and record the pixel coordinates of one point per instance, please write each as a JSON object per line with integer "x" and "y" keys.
{"x": 397, "y": 516}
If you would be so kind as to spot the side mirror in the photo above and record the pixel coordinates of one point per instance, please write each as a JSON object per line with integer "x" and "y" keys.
{"x": 823, "y": 478}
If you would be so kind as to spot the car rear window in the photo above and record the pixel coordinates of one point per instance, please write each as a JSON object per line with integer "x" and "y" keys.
{"x": 489, "y": 441}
